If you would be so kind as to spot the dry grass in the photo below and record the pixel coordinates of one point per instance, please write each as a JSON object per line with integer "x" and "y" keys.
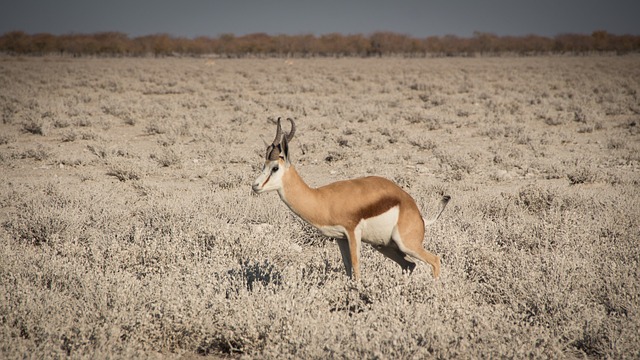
{"x": 129, "y": 230}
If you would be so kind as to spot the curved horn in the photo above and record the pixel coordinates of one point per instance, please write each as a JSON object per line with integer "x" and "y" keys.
{"x": 293, "y": 130}
{"x": 276, "y": 141}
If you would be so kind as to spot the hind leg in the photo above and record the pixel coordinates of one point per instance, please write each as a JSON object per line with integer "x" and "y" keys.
{"x": 427, "y": 258}
{"x": 415, "y": 250}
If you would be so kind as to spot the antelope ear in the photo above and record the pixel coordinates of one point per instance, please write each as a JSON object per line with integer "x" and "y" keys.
{"x": 285, "y": 149}
{"x": 272, "y": 153}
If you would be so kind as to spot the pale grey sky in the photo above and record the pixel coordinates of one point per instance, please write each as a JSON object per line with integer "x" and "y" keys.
{"x": 192, "y": 18}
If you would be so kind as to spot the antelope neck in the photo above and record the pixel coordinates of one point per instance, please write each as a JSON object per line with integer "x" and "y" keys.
{"x": 300, "y": 198}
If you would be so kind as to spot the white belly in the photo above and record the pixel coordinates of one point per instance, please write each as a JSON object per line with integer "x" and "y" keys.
{"x": 377, "y": 230}
{"x": 334, "y": 231}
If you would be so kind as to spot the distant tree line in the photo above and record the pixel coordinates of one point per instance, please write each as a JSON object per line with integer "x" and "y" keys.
{"x": 264, "y": 45}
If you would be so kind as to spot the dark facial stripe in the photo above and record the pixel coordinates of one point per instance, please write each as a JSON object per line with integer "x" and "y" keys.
{"x": 266, "y": 181}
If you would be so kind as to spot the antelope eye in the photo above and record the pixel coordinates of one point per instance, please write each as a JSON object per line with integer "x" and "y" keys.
{"x": 275, "y": 168}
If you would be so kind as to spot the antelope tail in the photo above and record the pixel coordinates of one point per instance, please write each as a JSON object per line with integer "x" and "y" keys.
{"x": 443, "y": 204}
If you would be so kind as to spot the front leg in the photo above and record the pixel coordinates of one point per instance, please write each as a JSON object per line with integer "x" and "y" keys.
{"x": 343, "y": 244}
{"x": 354, "y": 239}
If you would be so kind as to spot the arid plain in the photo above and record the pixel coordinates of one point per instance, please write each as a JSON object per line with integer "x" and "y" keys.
{"x": 128, "y": 226}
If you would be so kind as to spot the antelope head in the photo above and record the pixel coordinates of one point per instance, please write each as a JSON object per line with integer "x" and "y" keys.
{"x": 276, "y": 161}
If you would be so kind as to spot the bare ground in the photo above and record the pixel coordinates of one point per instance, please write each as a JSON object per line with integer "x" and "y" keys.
{"x": 128, "y": 228}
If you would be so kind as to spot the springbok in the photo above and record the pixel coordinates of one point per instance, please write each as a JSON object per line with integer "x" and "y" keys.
{"x": 370, "y": 209}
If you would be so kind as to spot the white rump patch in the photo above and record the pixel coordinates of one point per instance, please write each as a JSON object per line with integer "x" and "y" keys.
{"x": 377, "y": 230}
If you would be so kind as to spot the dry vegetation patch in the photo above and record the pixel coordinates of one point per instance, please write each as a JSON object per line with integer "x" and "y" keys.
{"x": 128, "y": 228}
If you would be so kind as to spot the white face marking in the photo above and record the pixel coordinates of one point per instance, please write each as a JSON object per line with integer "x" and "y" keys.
{"x": 378, "y": 229}
{"x": 270, "y": 178}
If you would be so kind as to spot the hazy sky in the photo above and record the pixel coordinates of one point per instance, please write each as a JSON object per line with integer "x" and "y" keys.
{"x": 192, "y": 18}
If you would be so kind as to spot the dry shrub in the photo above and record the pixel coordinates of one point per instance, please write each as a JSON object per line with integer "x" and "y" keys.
{"x": 88, "y": 135}
{"x": 124, "y": 173}
{"x": 184, "y": 261}
{"x": 616, "y": 144}
{"x": 157, "y": 128}
{"x": 6, "y": 139}
{"x": 456, "y": 166}
{"x": 60, "y": 123}
{"x": 535, "y": 199}
{"x": 45, "y": 217}
{"x": 36, "y": 126}
{"x": 167, "y": 157}
{"x": 124, "y": 170}
{"x": 99, "y": 150}
{"x": 253, "y": 274}
{"x": 69, "y": 136}
{"x": 492, "y": 132}
{"x": 84, "y": 122}
{"x": 39, "y": 153}
{"x": 423, "y": 143}
{"x": 582, "y": 175}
